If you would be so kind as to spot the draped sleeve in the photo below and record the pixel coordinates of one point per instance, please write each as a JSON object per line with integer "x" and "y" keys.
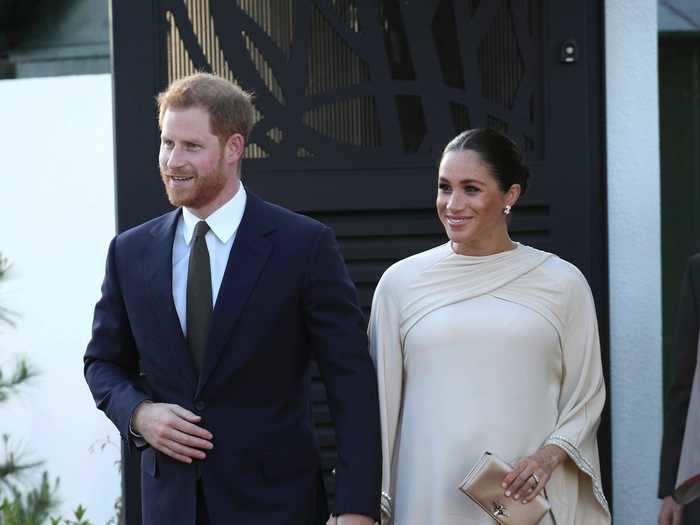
{"x": 582, "y": 395}
{"x": 387, "y": 354}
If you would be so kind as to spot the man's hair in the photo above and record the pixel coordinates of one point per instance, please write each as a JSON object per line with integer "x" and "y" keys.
{"x": 230, "y": 108}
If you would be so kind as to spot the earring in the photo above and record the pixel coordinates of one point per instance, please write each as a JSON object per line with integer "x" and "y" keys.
{"x": 506, "y": 210}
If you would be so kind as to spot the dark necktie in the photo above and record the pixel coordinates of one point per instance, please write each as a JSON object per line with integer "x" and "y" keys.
{"x": 199, "y": 298}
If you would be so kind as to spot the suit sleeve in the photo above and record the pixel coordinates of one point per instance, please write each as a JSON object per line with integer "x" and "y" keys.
{"x": 111, "y": 358}
{"x": 682, "y": 365}
{"x": 337, "y": 330}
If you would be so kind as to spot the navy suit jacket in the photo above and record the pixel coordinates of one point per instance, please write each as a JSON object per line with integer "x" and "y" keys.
{"x": 286, "y": 298}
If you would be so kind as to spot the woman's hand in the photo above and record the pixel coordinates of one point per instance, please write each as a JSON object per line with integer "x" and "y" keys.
{"x": 531, "y": 474}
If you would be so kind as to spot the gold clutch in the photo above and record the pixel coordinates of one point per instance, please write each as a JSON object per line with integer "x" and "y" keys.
{"x": 483, "y": 486}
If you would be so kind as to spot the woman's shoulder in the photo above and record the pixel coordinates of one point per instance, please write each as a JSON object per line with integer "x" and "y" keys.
{"x": 561, "y": 274}
{"x": 562, "y": 268}
{"x": 558, "y": 272}
{"x": 561, "y": 286}
{"x": 405, "y": 271}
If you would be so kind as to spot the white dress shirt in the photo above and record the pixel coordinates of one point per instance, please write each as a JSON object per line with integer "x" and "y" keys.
{"x": 223, "y": 224}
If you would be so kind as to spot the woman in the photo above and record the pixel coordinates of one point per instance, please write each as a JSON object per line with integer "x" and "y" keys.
{"x": 486, "y": 344}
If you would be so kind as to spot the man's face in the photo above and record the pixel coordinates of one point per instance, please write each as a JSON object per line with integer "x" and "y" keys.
{"x": 191, "y": 161}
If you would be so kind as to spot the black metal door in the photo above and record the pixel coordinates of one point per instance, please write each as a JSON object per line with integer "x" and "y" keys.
{"x": 356, "y": 99}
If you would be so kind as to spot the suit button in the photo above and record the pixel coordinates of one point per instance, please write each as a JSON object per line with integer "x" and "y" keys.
{"x": 200, "y": 405}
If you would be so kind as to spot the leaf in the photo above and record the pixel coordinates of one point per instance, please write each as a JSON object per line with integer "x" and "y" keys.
{"x": 5, "y": 313}
{"x": 31, "y": 508}
{"x": 23, "y": 373}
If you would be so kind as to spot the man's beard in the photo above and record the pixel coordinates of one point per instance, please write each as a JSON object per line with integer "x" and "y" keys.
{"x": 198, "y": 192}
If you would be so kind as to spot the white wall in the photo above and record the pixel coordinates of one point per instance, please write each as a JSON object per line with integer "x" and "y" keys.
{"x": 56, "y": 220}
{"x": 634, "y": 240}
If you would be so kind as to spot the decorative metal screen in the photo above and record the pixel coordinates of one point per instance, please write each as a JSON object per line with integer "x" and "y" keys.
{"x": 355, "y": 100}
{"x": 377, "y": 87}
{"x": 353, "y": 81}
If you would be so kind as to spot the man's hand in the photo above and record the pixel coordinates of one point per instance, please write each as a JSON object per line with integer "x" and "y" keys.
{"x": 671, "y": 513}
{"x": 171, "y": 429}
{"x": 350, "y": 519}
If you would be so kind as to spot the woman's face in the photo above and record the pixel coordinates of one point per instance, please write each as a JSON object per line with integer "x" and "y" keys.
{"x": 470, "y": 203}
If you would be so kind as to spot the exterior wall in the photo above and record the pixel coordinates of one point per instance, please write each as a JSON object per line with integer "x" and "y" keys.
{"x": 634, "y": 256}
{"x": 56, "y": 220}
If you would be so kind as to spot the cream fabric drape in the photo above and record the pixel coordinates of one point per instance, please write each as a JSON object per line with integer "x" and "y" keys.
{"x": 425, "y": 351}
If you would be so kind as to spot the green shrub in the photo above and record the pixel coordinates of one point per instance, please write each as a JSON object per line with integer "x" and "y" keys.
{"x": 33, "y": 505}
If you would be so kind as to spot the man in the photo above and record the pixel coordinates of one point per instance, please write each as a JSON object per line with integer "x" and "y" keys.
{"x": 682, "y": 366}
{"x": 202, "y": 339}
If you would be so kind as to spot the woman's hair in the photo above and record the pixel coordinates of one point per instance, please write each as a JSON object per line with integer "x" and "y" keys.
{"x": 498, "y": 151}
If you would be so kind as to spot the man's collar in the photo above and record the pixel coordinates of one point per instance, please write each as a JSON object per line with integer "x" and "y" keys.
{"x": 223, "y": 222}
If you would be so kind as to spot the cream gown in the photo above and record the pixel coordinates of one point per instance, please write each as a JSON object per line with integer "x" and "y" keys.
{"x": 497, "y": 353}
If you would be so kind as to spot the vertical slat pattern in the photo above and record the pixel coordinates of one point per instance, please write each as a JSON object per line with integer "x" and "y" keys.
{"x": 500, "y": 59}
{"x": 275, "y": 18}
{"x": 263, "y": 68}
{"x": 332, "y": 63}
{"x": 460, "y": 117}
{"x": 350, "y": 121}
{"x": 179, "y": 62}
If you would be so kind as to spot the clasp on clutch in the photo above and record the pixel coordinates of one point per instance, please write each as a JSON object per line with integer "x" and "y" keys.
{"x": 500, "y": 510}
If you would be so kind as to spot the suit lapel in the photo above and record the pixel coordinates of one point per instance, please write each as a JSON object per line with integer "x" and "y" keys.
{"x": 251, "y": 250}
{"x": 159, "y": 260}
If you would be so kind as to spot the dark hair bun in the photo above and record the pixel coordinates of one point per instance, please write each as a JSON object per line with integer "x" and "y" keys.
{"x": 498, "y": 151}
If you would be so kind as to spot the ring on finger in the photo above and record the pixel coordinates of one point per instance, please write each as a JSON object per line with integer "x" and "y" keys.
{"x": 534, "y": 482}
